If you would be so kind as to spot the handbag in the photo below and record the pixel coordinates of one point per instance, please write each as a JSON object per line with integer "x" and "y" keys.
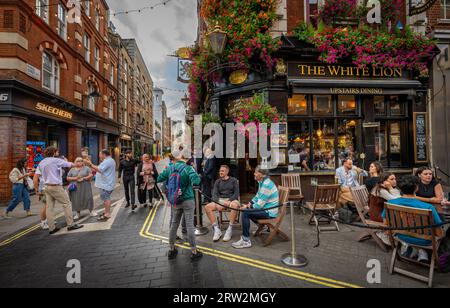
{"x": 29, "y": 183}
{"x": 72, "y": 187}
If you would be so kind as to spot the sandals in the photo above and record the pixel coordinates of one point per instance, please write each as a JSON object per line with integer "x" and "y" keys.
{"x": 103, "y": 218}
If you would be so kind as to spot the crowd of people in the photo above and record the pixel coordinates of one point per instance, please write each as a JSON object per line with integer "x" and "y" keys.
{"x": 182, "y": 174}
{"x": 421, "y": 190}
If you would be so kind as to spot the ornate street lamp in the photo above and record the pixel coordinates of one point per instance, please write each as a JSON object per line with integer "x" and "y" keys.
{"x": 217, "y": 40}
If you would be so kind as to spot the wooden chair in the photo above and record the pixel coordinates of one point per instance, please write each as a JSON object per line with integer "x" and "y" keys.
{"x": 361, "y": 199}
{"x": 293, "y": 182}
{"x": 275, "y": 223}
{"x": 223, "y": 221}
{"x": 325, "y": 203}
{"x": 401, "y": 217}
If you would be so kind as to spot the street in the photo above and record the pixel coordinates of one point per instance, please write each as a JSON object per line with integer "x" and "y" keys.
{"x": 133, "y": 253}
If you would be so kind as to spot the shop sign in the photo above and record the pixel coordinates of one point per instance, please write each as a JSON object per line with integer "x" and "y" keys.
{"x": 33, "y": 72}
{"x": 91, "y": 124}
{"x": 296, "y": 70}
{"x": 357, "y": 91}
{"x": 54, "y": 111}
{"x": 4, "y": 97}
{"x": 417, "y": 7}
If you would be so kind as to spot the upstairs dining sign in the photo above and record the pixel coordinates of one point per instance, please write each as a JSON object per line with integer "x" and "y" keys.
{"x": 302, "y": 70}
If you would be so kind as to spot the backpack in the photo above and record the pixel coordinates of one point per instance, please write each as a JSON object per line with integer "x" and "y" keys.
{"x": 174, "y": 194}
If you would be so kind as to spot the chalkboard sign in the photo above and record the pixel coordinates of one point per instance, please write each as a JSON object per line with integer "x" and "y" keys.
{"x": 420, "y": 137}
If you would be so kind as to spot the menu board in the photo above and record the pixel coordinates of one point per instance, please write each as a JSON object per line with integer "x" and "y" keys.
{"x": 420, "y": 137}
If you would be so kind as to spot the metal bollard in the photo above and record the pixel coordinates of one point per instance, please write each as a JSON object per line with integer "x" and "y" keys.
{"x": 199, "y": 229}
{"x": 293, "y": 259}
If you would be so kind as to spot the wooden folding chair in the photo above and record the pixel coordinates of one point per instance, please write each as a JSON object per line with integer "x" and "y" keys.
{"x": 403, "y": 217}
{"x": 325, "y": 203}
{"x": 223, "y": 221}
{"x": 275, "y": 223}
{"x": 293, "y": 182}
{"x": 361, "y": 199}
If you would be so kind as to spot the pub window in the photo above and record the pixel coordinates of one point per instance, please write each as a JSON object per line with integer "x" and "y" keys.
{"x": 346, "y": 105}
{"x": 347, "y": 138}
{"x": 397, "y": 108}
{"x": 323, "y": 145}
{"x": 380, "y": 105}
{"x": 8, "y": 19}
{"x": 322, "y": 105}
{"x": 298, "y": 105}
{"x": 299, "y": 144}
{"x": 50, "y": 73}
{"x": 445, "y": 9}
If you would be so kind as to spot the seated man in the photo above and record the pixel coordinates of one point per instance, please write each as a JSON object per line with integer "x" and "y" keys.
{"x": 226, "y": 191}
{"x": 409, "y": 185}
{"x": 347, "y": 177}
{"x": 266, "y": 197}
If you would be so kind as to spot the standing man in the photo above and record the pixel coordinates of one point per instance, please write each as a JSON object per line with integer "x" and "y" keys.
{"x": 50, "y": 170}
{"x": 127, "y": 167}
{"x": 184, "y": 177}
{"x": 105, "y": 180}
{"x": 209, "y": 172}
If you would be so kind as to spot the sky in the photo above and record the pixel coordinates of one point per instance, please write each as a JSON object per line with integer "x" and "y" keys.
{"x": 159, "y": 32}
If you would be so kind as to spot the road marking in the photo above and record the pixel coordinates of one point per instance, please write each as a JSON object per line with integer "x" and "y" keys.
{"x": 21, "y": 234}
{"x": 145, "y": 232}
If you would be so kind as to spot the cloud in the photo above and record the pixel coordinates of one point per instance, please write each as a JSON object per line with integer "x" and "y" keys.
{"x": 159, "y": 32}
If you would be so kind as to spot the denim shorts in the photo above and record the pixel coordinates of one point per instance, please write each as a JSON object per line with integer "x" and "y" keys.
{"x": 105, "y": 195}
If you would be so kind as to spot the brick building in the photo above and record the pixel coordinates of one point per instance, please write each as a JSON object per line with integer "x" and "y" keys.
{"x": 436, "y": 22}
{"x": 57, "y": 82}
{"x": 142, "y": 100}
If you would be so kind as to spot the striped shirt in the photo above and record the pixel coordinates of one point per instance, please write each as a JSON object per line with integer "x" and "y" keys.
{"x": 267, "y": 197}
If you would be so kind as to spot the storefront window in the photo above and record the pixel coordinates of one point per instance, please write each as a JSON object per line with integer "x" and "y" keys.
{"x": 380, "y": 105}
{"x": 347, "y": 138}
{"x": 324, "y": 145}
{"x": 397, "y": 109}
{"x": 298, "y": 105}
{"x": 299, "y": 144}
{"x": 347, "y": 105}
{"x": 322, "y": 104}
{"x": 395, "y": 144}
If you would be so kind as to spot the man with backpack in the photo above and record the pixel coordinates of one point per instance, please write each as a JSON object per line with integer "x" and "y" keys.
{"x": 180, "y": 179}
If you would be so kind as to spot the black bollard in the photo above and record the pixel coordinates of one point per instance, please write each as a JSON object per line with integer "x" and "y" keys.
{"x": 199, "y": 229}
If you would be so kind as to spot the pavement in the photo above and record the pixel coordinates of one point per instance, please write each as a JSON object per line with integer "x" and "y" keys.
{"x": 131, "y": 251}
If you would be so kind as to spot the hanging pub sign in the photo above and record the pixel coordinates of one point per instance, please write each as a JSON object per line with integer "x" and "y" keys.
{"x": 302, "y": 70}
{"x": 184, "y": 68}
{"x": 420, "y": 137}
{"x": 417, "y": 7}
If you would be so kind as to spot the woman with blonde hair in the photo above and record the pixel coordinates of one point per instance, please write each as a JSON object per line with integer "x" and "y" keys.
{"x": 80, "y": 189}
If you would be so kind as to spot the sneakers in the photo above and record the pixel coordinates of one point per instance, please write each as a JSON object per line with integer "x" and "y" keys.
{"x": 172, "y": 254}
{"x": 76, "y": 217}
{"x": 29, "y": 214}
{"x": 74, "y": 227}
{"x": 196, "y": 256}
{"x": 128, "y": 205}
{"x": 228, "y": 235}
{"x": 384, "y": 238}
{"x": 94, "y": 214}
{"x": 217, "y": 234}
{"x": 423, "y": 257}
{"x": 242, "y": 244}
{"x": 7, "y": 215}
{"x": 44, "y": 225}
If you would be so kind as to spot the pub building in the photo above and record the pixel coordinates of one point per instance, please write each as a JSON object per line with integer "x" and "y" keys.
{"x": 40, "y": 119}
{"x": 333, "y": 111}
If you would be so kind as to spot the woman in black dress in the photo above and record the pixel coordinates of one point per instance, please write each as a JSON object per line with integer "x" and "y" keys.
{"x": 375, "y": 172}
{"x": 430, "y": 190}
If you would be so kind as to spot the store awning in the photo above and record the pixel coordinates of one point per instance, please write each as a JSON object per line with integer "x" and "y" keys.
{"x": 355, "y": 87}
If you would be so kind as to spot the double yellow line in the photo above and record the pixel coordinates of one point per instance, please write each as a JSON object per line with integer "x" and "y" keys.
{"x": 19, "y": 235}
{"x": 323, "y": 281}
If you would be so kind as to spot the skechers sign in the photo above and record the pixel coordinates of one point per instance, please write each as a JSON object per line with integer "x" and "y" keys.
{"x": 54, "y": 111}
